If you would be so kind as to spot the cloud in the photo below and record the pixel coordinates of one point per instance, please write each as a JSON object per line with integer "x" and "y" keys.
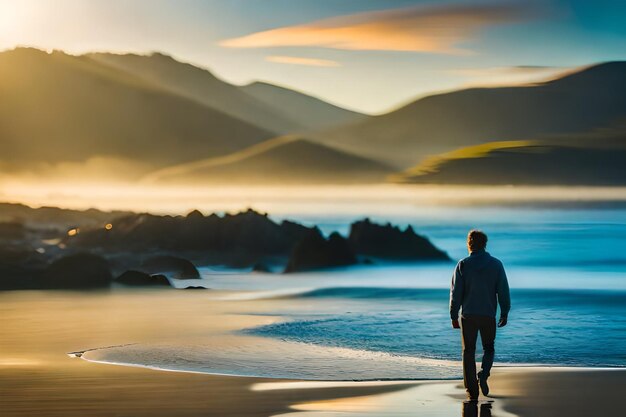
{"x": 511, "y": 75}
{"x": 294, "y": 60}
{"x": 432, "y": 28}
{"x": 507, "y": 70}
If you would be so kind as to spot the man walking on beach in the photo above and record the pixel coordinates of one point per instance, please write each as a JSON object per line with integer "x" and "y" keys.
{"x": 478, "y": 284}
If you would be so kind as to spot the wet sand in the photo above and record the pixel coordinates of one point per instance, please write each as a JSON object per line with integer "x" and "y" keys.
{"x": 561, "y": 392}
{"x": 37, "y": 378}
{"x": 79, "y": 388}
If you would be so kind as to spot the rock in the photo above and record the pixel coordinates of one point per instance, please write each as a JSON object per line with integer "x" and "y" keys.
{"x": 315, "y": 252}
{"x": 242, "y": 239}
{"x": 389, "y": 242}
{"x": 261, "y": 267}
{"x": 77, "y": 271}
{"x": 20, "y": 267}
{"x": 195, "y": 214}
{"x": 244, "y": 236}
{"x": 140, "y": 279}
{"x": 12, "y": 231}
{"x": 173, "y": 266}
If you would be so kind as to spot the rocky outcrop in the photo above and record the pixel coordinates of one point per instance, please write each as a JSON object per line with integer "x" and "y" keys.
{"x": 141, "y": 279}
{"x": 390, "y": 242}
{"x": 239, "y": 239}
{"x": 172, "y": 266}
{"x": 77, "y": 271}
{"x": 247, "y": 239}
{"x": 316, "y": 252}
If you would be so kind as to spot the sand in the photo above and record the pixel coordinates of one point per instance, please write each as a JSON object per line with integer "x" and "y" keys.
{"x": 37, "y": 378}
{"x": 560, "y": 392}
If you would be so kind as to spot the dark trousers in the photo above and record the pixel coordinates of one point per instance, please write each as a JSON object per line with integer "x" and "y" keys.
{"x": 470, "y": 326}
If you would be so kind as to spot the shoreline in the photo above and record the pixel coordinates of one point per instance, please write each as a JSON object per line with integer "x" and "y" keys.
{"x": 59, "y": 389}
{"x": 37, "y": 377}
{"x": 517, "y": 391}
{"x": 498, "y": 368}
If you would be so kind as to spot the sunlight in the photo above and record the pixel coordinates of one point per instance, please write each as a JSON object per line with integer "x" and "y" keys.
{"x": 340, "y": 199}
{"x": 15, "y": 18}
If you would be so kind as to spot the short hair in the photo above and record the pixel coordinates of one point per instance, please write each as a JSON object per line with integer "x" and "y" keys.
{"x": 476, "y": 240}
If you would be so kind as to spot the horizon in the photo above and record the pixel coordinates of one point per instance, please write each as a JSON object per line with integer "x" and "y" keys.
{"x": 302, "y": 46}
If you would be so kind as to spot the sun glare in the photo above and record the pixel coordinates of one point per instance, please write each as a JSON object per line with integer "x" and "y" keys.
{"x": 13, "y": 19}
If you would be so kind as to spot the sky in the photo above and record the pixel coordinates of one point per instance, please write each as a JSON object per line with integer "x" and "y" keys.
{"x": 367, "y": 55}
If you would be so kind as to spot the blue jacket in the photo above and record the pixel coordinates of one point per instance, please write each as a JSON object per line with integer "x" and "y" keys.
{"x": 478, "y": 284}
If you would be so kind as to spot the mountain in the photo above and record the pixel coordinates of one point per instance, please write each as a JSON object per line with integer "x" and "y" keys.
{"x": 57, "y": 107}
{"x": 283, "y": 160}
{"x": 595, "y": 158}
{"x": 310, "y": 112}
{"x": 577, "y": 102}
{"x": 202, "y": 86}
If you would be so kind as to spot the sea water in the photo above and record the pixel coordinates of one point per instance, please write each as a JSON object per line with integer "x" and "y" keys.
{"x": 566, "y": 269}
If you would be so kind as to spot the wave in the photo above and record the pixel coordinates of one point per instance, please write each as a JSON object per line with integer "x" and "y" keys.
{"x": 368, "y": 293}
{"x": 538, "y": 296}
{"x": 569, "y": 262}
{"x": 238, "y": 355}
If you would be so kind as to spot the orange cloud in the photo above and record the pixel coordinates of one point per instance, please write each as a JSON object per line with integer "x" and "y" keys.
{"x": 436, "y": 29}
{"x": 294, "y": 60}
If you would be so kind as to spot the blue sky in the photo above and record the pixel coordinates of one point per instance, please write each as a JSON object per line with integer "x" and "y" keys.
{"x": 369, "y": 55}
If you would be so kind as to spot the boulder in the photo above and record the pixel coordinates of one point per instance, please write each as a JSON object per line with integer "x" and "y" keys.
{"x": 171, "y": 266}
{"x": 77, "y": 271}
{"x": 20, "y": 267}
{"x": 389, "y": 242}
{"x": 261, "y": 267}
{"x": 141, "y": 279}
{"x": 195, "y": 214}
{"x": 316, "y": 252}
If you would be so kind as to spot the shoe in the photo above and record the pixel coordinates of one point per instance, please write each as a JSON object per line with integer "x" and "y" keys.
{"x": 471, "y": 396}
{"x": 482, "y": 381}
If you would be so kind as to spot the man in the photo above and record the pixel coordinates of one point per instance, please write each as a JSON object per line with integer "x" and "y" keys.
{"x": 478, "y": 284}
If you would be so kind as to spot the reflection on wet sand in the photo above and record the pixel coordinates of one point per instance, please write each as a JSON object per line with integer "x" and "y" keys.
{"x": 471, "y": 408}
{"x": 419, "y": 398}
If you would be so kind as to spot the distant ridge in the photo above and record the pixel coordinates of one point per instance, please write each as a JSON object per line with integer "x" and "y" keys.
{"x": 283, "y": 160}
{"x": 310, "y": 112}
{"x": 596, "y": 158}
{"x": 133, "y": 116}
{"x": 57, "y": 107}
{"x": 593, "y": 97}
{"x": 200, "y": 85}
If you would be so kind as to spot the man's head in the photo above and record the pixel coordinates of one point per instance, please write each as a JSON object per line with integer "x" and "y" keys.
{"x": 476, "y": 240}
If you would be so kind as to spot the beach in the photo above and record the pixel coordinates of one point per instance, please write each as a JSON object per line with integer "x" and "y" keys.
{"x": 37, "y": 377}
{"x": 311, "y": 208}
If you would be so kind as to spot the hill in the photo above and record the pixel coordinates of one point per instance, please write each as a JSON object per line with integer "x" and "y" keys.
{"x": 283, "y": 160}
{"x": 57, "y": 107}
{"x": 202, "y": 86}
{"x": 595, "y": 158}
{"x": 577, "y": 102}
{"x": 310, "y": 112}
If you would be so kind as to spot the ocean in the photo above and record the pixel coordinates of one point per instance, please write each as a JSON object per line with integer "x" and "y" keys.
{"x": 566, "y": 269}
